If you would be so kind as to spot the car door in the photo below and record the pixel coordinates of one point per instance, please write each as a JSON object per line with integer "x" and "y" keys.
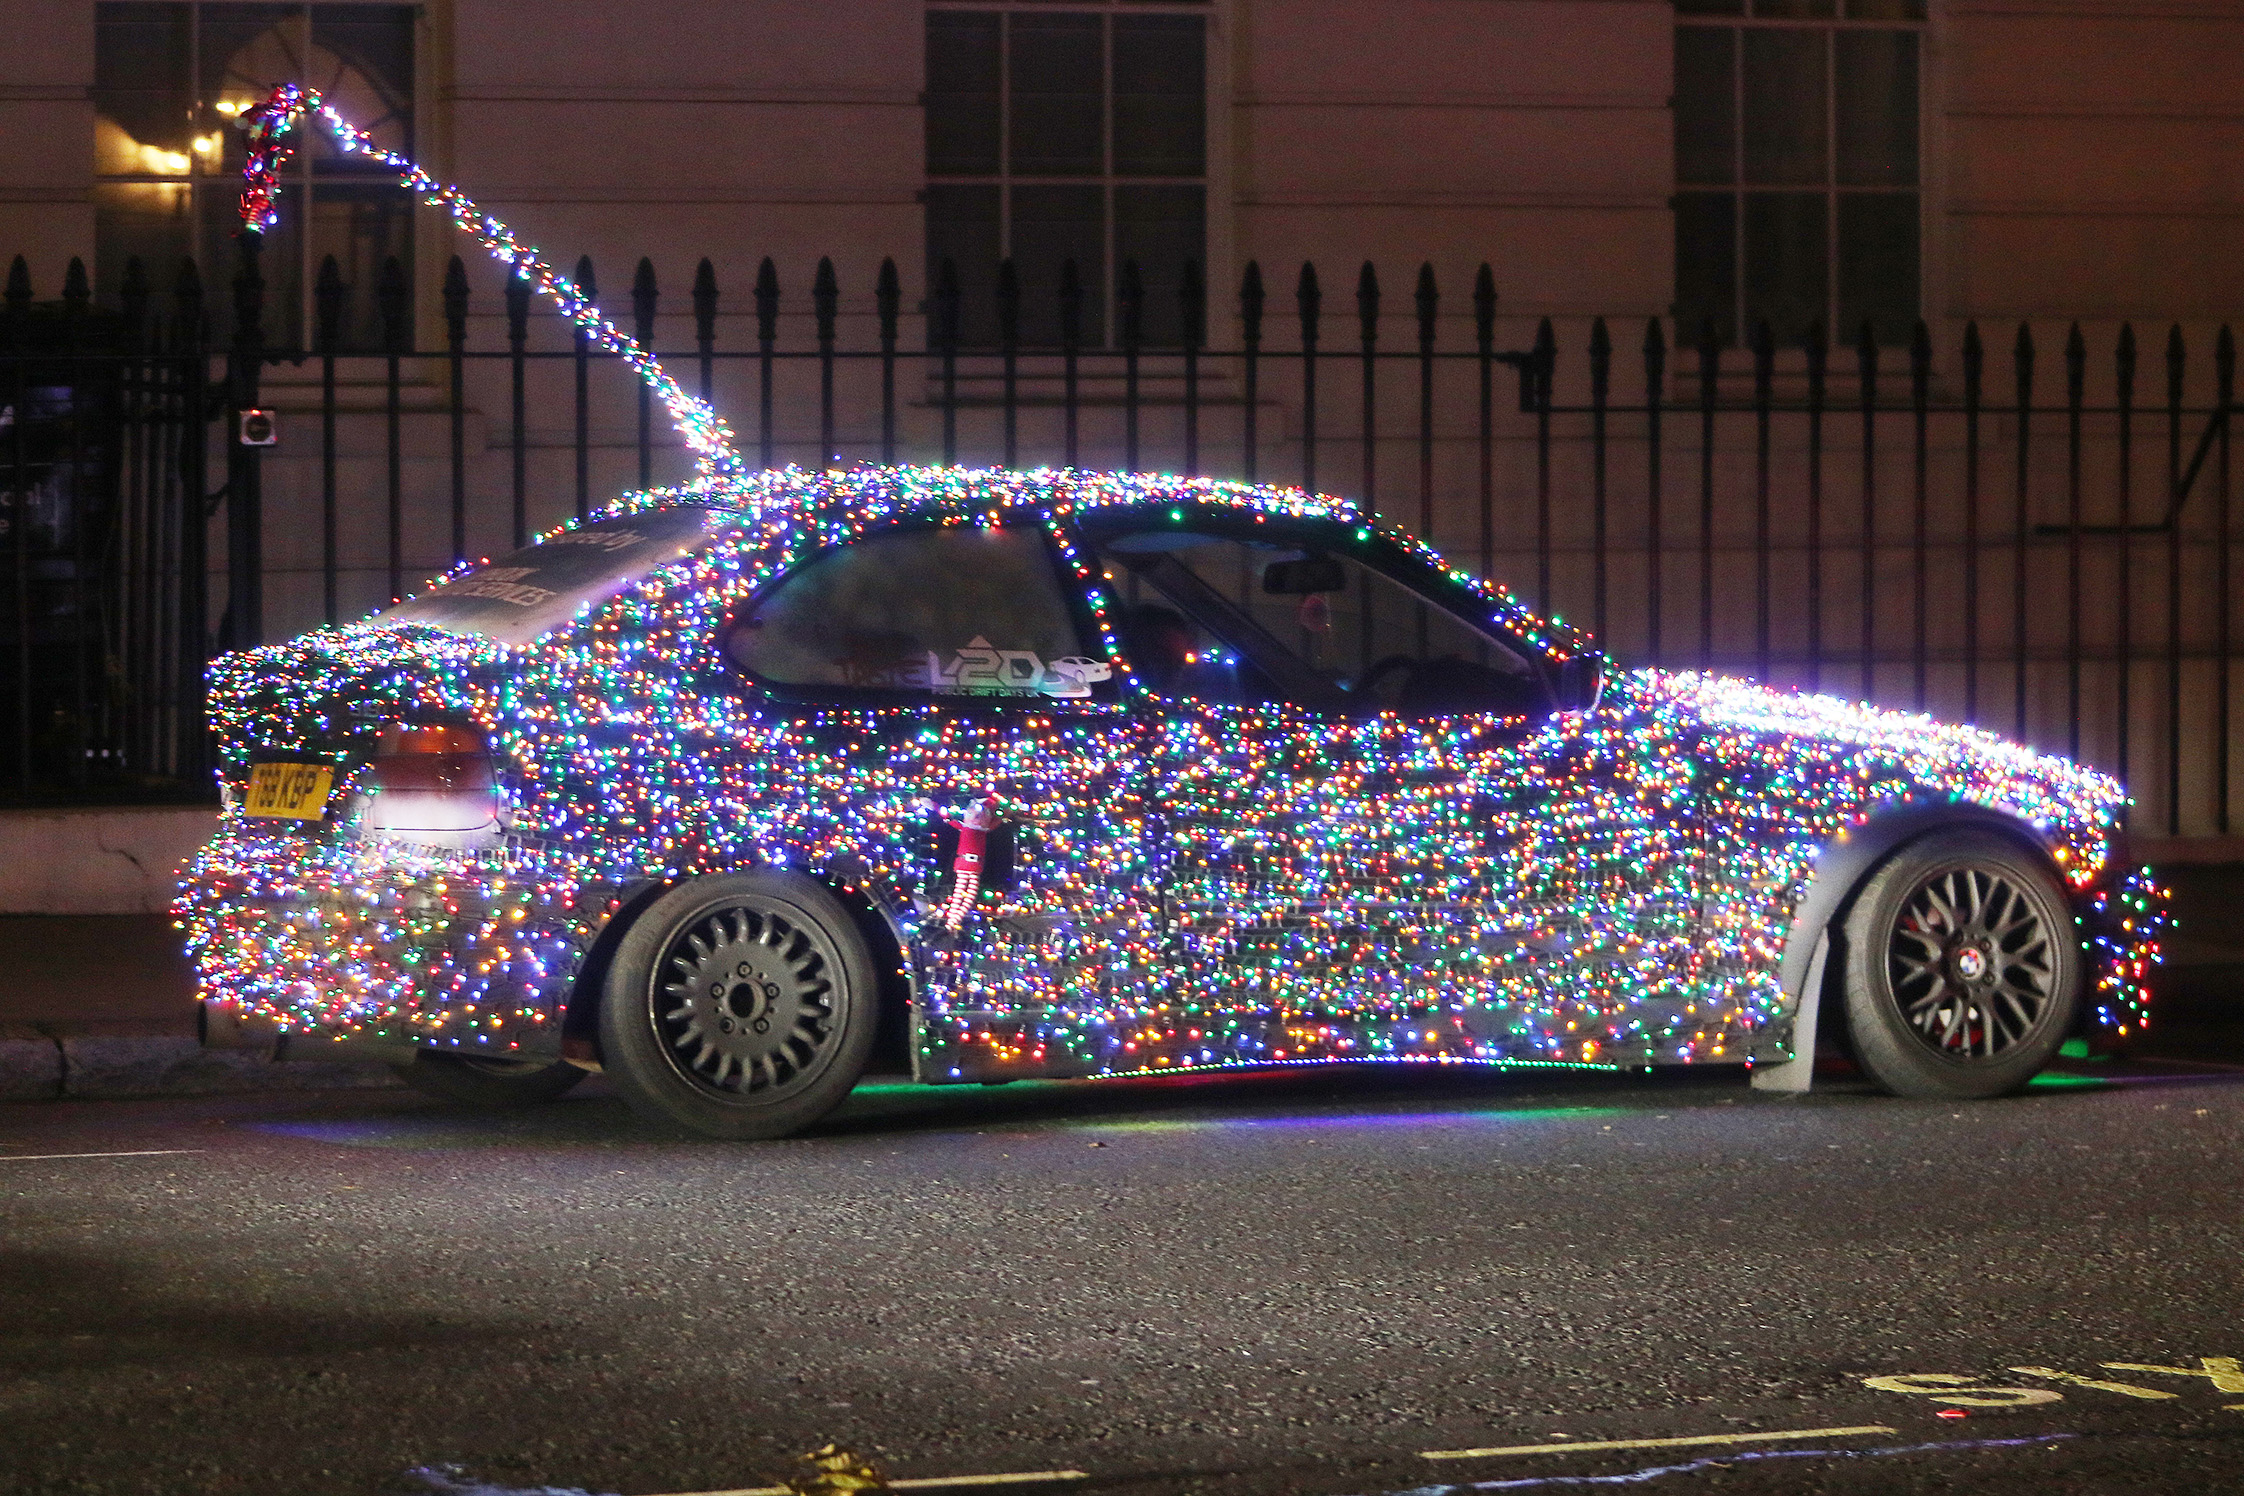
{"x": 1389, "y": 844}
{"x": 940, "y": 711}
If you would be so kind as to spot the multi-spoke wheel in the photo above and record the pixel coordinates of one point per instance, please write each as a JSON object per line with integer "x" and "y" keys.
{"x": 492, "y": 1084}
{"x": 739, "y": 1006}
{"x": 1963, "y": 967}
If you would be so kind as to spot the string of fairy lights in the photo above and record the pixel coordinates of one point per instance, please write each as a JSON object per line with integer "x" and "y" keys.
{"x": 269, "y": 125}
{"x": 1217, "y": 885}
{"x": 1199, "y": 886}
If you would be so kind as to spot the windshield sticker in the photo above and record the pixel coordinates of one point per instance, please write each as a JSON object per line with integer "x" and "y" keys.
{"x": 1073, "y": 675}
{"x": 516, "y": 597}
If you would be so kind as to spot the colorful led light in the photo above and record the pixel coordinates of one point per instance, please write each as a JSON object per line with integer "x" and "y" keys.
{"x": 1200, "y": 886}
{"x": 269, "y": 124}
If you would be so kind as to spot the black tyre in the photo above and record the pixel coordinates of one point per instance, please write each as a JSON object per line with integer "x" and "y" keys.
{"x": 491, "y": 1084}
{"x": 739, "y": 1006}
{"x": 1963, "y": 967}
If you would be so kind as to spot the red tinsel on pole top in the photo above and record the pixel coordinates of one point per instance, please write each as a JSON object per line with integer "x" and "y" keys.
{"x": 268, "y": 125}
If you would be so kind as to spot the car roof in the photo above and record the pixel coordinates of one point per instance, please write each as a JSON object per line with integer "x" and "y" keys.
{"x": 882, "y": 494}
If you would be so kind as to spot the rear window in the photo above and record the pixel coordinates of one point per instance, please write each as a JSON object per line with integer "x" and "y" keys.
{"x": 516, "y": 598}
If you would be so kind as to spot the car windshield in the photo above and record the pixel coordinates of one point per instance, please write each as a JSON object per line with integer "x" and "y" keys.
{"x": 535, "y": 590}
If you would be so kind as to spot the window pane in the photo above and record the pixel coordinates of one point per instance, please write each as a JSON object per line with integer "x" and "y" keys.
{"x": 1056, "y": 73}
{"x": 362, "y": 225}
{"x": 535, "y": 590}
{"x": 1710, "y": 7}
{"x": 1706, "y": 128}
{"x": 1785, "y": 111}
{"x": 149, "y": 219}
{"x": 1877, "y": 89}
{"x": 953, "y": 612}
{"x": 1161, "y": 228}
{"x": 1878, "y": 263}
{"x": 1795, "y": 10}
{"x": 247, "y": 49}
{"x": 142, "y": 94}
{"x": 962, "y": 90}
{"x": 1787, "y": 280}
{"x": 962, "y": 227}
{"x": 1160, "y": 96}
{"x": 1706, "y": 264}
{"x": 1052, "y": 225}
{"x": 362, "y": 59}
{"x": 1885, "y": 10}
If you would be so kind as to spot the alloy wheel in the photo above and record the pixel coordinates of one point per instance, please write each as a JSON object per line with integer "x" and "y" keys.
{"x": 1972, "y": 962}
{"x": 744, "y": 1002}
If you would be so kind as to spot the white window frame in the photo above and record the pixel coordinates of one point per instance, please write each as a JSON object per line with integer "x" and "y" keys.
{"x": 1930, "y": 136}
{"x": 1216, "y": 263}
{"x": 296, "y": 176}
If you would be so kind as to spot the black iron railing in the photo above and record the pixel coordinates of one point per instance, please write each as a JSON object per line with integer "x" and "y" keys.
{"x": 1904, "y": 524}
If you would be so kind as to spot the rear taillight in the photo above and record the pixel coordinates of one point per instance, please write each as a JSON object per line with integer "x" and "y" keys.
{"x": 432, "y": 782}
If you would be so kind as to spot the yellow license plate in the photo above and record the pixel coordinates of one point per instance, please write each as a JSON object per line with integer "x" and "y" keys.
{"x": 295, "y": 791}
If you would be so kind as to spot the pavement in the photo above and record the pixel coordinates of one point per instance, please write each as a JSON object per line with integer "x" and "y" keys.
{"x": 104, "y": 1005}
{"x": 1349, "y": 1282}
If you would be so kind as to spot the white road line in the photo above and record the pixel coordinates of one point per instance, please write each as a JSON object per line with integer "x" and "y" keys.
{"x": 924, "y": 1482}
{"x": 1577, "y": 1445}
{"x": 25, "y": 1158}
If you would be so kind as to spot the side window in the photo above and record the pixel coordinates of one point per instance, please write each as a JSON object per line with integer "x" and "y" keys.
{"x": 941, "y": 612}
{"x": 1228, "y": 620}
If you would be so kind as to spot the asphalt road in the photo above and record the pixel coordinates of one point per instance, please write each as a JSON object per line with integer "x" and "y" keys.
{"x": 1298, "y": 1282}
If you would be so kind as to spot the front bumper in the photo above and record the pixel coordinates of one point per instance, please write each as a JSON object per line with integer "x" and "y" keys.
{"x": 2122, "y": 921}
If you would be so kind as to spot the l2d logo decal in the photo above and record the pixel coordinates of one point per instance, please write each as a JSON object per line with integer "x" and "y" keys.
{"x": 981, "y": 669}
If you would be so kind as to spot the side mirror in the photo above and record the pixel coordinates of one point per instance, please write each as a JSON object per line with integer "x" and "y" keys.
{"x": 1577, "y": 683}
{"x": 1304, "y": 576}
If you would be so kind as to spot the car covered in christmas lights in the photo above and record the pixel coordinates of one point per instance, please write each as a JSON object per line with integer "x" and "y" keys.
{"x": 735, "y": 791}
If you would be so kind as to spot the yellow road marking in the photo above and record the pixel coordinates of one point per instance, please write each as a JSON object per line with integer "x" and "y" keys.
{"x": 923, "y": 1482}
{"x": 2124, "y": 1389}
{"x": 2223, "y": 1371}
{"x": 1574, "y": 1445}
{"x": 1968, "y": 1392}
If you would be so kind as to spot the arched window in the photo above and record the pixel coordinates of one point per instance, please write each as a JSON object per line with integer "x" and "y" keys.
{"x": 172, "y": 79}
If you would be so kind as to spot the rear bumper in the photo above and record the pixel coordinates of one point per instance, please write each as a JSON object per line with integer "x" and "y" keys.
{"x": 323, "y": 951}
{"x": 220, "y": 1023}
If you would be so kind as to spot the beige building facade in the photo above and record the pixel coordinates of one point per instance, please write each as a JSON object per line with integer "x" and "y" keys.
{"x": 2077, "y": 155}
{"x": 1805, "y": 163}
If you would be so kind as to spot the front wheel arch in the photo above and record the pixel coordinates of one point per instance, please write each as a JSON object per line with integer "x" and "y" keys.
{"x": 1969, "y": 931}
{"x": 1842, "y": 870}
